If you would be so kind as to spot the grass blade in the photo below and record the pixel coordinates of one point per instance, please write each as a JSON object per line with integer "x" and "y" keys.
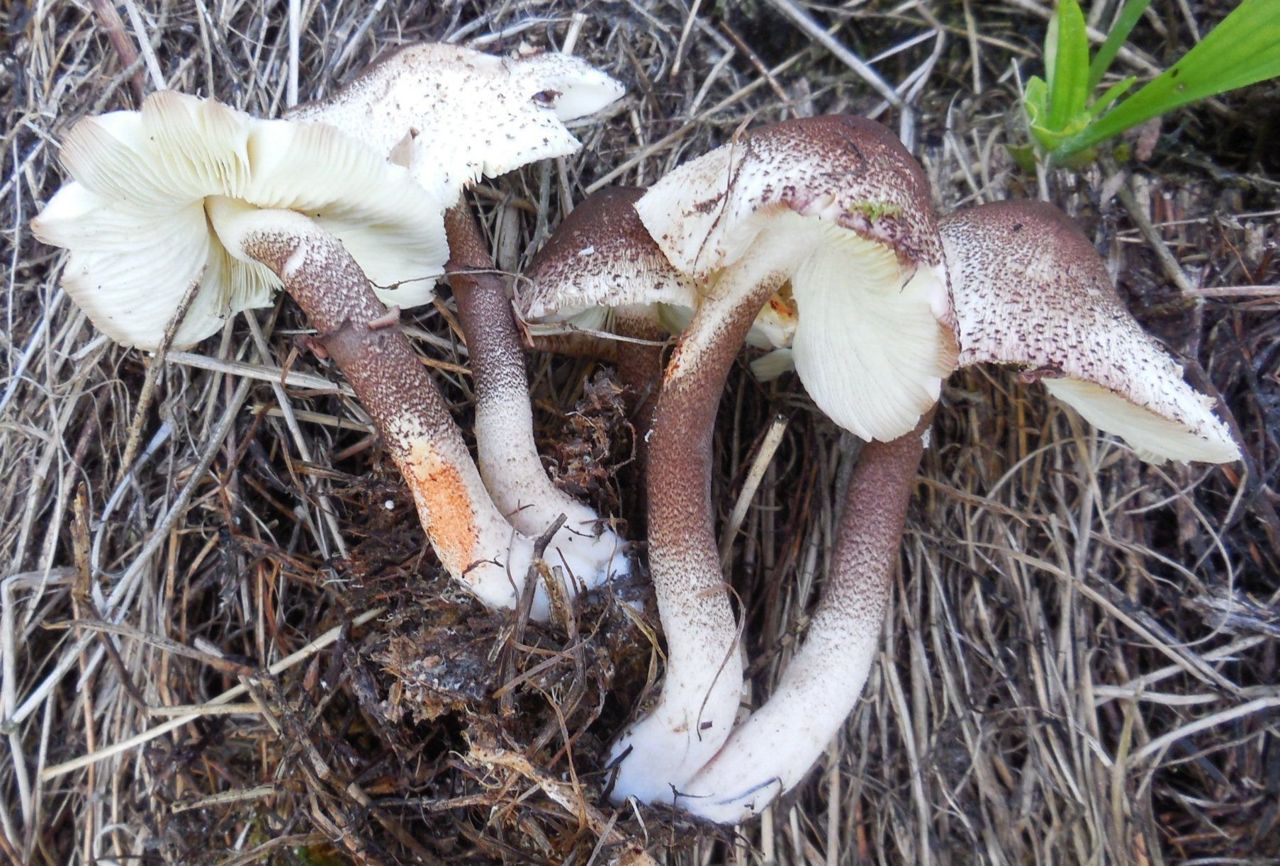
{"x": 1069, "y": 73}
{"x": 1124, "y": 25}
{"x": 1244, "y": 49}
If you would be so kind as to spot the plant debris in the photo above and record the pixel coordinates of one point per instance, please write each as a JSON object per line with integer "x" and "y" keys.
{"x": 1080, "y": 661}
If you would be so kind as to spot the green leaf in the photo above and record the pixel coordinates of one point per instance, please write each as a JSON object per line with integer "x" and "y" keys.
{"x": 1035, "y": 99}
{"x": 1113, "y": 93}
{"x": 1024, "y": 155}
{"x": 1244, "y": 49}
{"x": 1069, "y": 73}
{"x": 1124, "y": 25}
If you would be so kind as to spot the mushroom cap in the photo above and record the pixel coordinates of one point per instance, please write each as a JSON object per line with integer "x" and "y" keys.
{"x": 134, "y": 218}
{"x": 453, "y": 114}
{"x": 599, "y": 258}
{"x": 843, "y": 202}
{"x": 1031, "y": 290}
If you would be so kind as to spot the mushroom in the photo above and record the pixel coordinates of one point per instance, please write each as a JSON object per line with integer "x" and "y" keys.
{"x": 450, "y": 115}
{"x": 135, "y": 224}
{"x": 1029, "y": 289}
{"x": 600, "y": 271}
{"x": 188, "y": 189}
{"x": 837, "y": 209}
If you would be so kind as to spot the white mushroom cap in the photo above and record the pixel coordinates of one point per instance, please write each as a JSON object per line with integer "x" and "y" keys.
{"x": 1030, "y": 290}
{"x": 453, "y": 114}
{"x": 134, "y": 216}
{"x": 838, "y": 206}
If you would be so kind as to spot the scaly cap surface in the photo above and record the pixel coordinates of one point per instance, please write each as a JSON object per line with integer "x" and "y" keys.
{"x": 452, "y": 114}
{"x": 601, "y": 257}
{"x": 1030, "y": 290}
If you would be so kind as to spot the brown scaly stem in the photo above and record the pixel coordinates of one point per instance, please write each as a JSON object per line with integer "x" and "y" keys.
{"x": 704, "y": 669}
{"x": 474, "y": 543}
{"x": 509, "y": 460}
{"x": 640, "y": 372}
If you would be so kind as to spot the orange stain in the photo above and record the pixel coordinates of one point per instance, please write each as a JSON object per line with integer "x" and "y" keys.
{"x": 784, "y": 307}
{"x": 673, "y": 366}
{"x": 444, "y": 507}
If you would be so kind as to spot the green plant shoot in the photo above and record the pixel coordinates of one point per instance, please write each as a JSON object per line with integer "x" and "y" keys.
{"x": 1065, "y": 119}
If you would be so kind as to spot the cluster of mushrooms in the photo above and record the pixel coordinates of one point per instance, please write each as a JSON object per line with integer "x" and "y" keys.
{"x": 815, "y": 238}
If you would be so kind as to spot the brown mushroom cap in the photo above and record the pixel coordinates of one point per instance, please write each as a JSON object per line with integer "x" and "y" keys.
{"x": 1031, "y": 290}
{"x": 849, "y": 171}
{"x": 601, "y": 258}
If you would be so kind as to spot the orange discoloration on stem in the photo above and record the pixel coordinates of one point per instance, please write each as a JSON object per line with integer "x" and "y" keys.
{"x": 444, "y": 506}
{"x": 673, "y": 366}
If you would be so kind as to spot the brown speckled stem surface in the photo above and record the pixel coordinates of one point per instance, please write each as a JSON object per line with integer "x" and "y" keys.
{"x": 870, "y": 533}
{"x": 575, "y": 345}
{"x": 488, "y": 323}
{"x": 396, "y": 390}
{"x": 692, "y": 599}
{"x": 640, "y": 369}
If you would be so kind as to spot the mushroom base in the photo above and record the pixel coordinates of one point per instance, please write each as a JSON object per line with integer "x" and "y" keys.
{"x": 588, "y": 551}
{"x": 474, "y": 542}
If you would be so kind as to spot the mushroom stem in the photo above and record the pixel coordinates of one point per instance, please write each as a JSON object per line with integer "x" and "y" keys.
{"x": 640, "y": 372}
{"x": 639, "y": 367}
{"x": 508, "y": 455}
{"x": 473, "y": 541}
{"x": 637, "y": 357}
{"x": 703, "y": 682}
{"x": 575, "y": 344}
{"x": 771, "y": 751}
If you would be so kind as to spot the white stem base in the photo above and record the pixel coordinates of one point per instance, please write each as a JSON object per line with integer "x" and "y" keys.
{"x": 588, "y": 552}
{"x": 660, "y": 753}
{"x": 773, "y": 750}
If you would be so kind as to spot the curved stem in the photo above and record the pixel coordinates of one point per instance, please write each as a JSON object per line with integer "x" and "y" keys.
{"x": 474, "y": 542}
{"x": 638, "y": 362}
{"x": 771, "y": 752}
{"x": 703, "y": 681}
{"x": 509, "y": 461}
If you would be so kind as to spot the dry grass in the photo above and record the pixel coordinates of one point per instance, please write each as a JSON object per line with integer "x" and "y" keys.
{"x": 223, "y": 643}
